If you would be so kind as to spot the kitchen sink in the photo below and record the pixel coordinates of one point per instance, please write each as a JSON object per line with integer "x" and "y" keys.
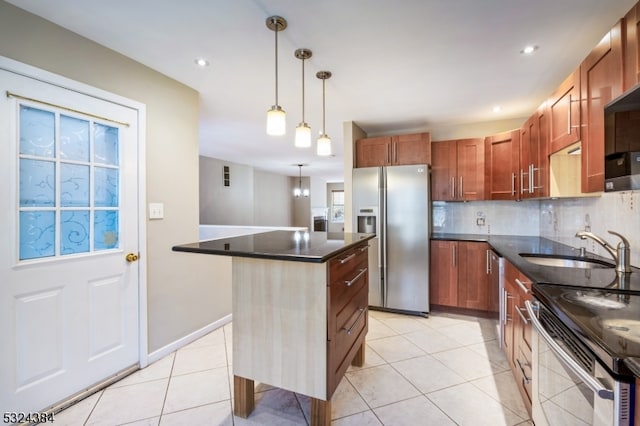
{"x": 565, "y": 261}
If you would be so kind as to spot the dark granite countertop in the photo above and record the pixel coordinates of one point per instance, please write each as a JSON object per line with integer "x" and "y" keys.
{"x": 633, "y": 363}
{"x": 510, "y": 247}
{"x": 297, "y": 246}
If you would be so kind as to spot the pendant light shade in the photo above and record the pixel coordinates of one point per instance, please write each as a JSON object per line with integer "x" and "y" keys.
{"x": 276, "y": 118}
{"x": 298, "y": 191}
{"x": 324, "y": 142}
{"x": 303, "y": 131}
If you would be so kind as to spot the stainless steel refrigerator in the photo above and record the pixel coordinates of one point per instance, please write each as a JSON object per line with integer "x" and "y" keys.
{"x": 394, "y": 202}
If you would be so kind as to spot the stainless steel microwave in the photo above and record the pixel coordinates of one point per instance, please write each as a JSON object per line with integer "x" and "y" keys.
{"x": 622, "y": 142}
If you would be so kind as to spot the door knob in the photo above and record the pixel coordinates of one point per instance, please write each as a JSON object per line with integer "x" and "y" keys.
{"x": 132, "y": 257}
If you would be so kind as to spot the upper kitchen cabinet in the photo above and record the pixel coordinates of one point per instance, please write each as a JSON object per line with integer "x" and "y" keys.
{"x": 457, "y": 170}
{"x": 564, "y": 113}
{"x": 534, "y": 157}
{"x": 394, "y": 150}
{"x": 600, "y": 82}
{"x": 630, "y": 34}
{"x": 502, "y": 160}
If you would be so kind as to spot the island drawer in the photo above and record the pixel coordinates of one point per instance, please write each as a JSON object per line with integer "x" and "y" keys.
{"x": 351, "y": 324}
{"x": 342, "y": 266}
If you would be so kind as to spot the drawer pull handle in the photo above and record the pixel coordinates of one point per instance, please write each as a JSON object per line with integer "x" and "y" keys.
{"x": 348, "y": 258}
{"x": 350, "y": 329}
{"x": 520, "y": 310}
{"x": 363, "y": 248}
{"x": 357, "y": 277}
{"x": 522, "y": 286}
{"x": 526, "y": 379}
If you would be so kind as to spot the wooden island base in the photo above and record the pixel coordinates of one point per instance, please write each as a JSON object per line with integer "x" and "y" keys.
{"x": 244, "y": 396}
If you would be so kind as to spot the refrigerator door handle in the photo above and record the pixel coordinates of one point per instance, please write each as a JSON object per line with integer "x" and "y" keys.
{"x": 383, "y": 232}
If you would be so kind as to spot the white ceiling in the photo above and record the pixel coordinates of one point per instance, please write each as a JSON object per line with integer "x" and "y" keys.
{"x": 398, "y": 66}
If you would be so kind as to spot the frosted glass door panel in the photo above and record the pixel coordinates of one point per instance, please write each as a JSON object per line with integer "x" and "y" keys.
{"x": 74, "y": 139}
{"x": 69, "y": 184}
{"x": 37, "y": 132}
{"x": 106, "y": 144}
{"x": 37, "y": 183}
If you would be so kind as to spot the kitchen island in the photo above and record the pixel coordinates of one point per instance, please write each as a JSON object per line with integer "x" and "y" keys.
{"x": 300, "y": 311}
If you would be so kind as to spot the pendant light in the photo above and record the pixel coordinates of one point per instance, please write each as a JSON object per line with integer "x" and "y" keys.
{"x": 276, "y": 120}
{"x": 324, "y": 141}
{"x": 303, "y": 131}
{"x": 298, "y": 191}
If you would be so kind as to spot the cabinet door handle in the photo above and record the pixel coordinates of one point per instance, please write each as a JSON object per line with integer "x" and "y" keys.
{"x": 461, "y": 190}
{"x": 350, "y": 329}
{"x": 452, "y": 187}
{"x": 488, "y": 262}
{"x": 356, "y": 278}
{"x": 395, "y": 152}
{"x": 569, "y": 116}
{"x": 522, "y": 286}
{"x": 522, "y": 173}
{"x": 520, "y": 311}
{"x": 453, "y": 254}
{"x": 365, "y": 248}
{"x": 526, "y": 379}
{"x": 348, "y": 258}
{"x": 513, "y": 184}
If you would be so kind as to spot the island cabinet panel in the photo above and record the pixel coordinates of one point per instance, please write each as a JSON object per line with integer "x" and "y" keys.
{"x": 601, "y": 82}
{"x": 280, "y": 322}
{"x": 564, "y": 113}
{"x": 299, "y": 325}
{"x": 394, "y": 150}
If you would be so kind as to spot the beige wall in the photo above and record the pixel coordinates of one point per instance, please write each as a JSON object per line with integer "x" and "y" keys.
{"x": 253, "y": 198}
{"x": 185, "y": 292}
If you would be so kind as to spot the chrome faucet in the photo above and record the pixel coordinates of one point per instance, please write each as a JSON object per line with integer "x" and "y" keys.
{"x": 621, "y": 254}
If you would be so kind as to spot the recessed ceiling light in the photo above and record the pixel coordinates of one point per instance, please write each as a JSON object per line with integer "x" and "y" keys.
{"x": 528, "y": 50}
{"x": 497, "y": 108}
{"x": 201, "y": 62}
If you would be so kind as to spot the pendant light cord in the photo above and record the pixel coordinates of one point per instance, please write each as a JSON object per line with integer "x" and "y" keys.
{"x": 324, "y": 131}
{"x": 276, "y": 35}
{"x": 303, "y": 90}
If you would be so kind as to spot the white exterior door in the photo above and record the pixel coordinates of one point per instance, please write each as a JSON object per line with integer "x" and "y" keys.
{"x": 69, "y": 298}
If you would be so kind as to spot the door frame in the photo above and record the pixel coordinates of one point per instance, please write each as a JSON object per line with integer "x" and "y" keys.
{"x": 35, "y": 73}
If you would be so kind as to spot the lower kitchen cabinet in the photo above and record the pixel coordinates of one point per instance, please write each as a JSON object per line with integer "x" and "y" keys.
{"x": 459, "y": 275}
{"x": 516, "y": 330}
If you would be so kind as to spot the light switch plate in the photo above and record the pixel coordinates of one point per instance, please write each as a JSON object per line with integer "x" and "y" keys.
{"x": 156, "y": 211}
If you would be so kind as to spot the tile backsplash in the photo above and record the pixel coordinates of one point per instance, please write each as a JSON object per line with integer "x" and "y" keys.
{"x": 556, "y": 219}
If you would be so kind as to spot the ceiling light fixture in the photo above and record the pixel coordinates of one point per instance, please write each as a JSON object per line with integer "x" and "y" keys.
{"x": 528, "y": 50}
{"x": 324, "y": 141}
{"x": 298, "y": 191}
{"x": 201, "y": 62}
{"x": 303, "y": 131}
{"x": 276, "y": 121}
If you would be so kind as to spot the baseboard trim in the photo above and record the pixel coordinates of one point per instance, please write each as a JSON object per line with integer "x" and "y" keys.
{"x": 174, "y": 346}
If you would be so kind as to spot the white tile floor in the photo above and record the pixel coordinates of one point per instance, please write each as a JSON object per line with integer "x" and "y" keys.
{"x": 443, "y": 370}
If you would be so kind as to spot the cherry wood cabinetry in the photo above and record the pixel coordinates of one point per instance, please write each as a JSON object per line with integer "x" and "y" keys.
{"x": 534, "y": 156}
{"x": 517, "y": 329}
{"x": 459, "y": 275}
{"x": 600, "y": 82}
{"x": 443, "y": 280}
{"x": 457, "y": 170}
{"x": 394, "y": 150}
{"x": 502, "y": 160}
{"x": 631, "y": 46}
{"x": 564, "y": 113}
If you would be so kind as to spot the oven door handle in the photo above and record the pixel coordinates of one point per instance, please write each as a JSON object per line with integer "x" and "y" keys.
{"x": 593, "y": 383}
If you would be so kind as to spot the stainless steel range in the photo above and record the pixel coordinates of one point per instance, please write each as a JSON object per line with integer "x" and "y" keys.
{"x": 581, "y": 338}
